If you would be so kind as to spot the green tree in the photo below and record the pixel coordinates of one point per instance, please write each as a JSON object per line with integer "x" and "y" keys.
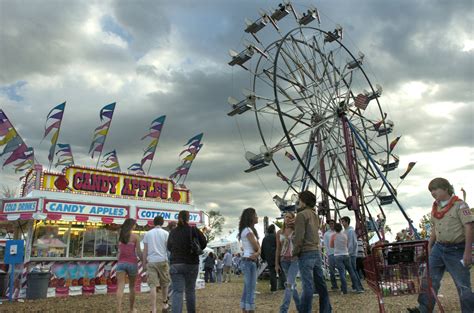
{"x": 278, "y": 223}
{"x": 425, "y": 225}
{"x": 216, "y": 221}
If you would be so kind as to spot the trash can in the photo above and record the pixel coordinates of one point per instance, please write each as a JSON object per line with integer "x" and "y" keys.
{"x": 3, "y": 284}
{"x": 37, "y": 285}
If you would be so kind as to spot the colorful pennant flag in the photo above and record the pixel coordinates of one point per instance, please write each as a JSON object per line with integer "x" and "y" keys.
{"x": 194, "y": 146}
{"x": 21, "y": 153}
{"x": 65, "y": 157}
{"x": 53, "y": 122}
{"x": 136, "y": 168}
{"x": 8, "y": 136}
{"x": 4, "y": 125}
{"x": 154, "y": 132}
{"x": 111, "y": 161}
{"x": 394, "y": 143}
{"x": 409, "y": 168}
{"x": 196, "y": 138}
{"x": 14, "y": 145}
{"x": 289, "y": 156}
{"x": 100, "y": 133}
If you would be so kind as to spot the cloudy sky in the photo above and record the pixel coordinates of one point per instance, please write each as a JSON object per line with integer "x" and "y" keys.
{"x": 170, "y": 57}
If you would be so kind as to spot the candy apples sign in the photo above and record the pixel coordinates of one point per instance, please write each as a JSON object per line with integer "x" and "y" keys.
{"x": 107, "y": 183}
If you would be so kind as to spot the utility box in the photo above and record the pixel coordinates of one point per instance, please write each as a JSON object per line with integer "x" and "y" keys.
{"x": 14, "y": 251}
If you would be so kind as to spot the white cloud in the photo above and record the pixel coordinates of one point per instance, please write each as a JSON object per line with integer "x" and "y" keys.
{"x": 468, "y": 45}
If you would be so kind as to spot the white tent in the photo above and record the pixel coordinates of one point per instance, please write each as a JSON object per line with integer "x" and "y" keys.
{"x": 230, "y": 240}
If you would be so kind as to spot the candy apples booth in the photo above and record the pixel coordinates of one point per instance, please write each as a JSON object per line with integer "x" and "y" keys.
{"x": 71, "y": 222}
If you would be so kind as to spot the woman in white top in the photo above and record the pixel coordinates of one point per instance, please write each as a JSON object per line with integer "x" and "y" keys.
{"x": 289, "y": 264}
{"x": 249, "y": 237}
{"x": 341, "y": 253}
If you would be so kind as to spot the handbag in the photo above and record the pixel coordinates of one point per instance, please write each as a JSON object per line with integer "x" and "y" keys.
{"x": 195, "y": 245}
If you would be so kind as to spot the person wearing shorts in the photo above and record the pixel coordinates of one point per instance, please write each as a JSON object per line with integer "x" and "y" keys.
{"x": 127, "y": 264}
{"x": 156, "y": 262}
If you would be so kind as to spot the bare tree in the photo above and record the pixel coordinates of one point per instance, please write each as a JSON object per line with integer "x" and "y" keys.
{"x": 8, "y": 192}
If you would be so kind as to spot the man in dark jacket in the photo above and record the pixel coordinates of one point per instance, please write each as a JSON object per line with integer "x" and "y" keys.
{"x": 268, "y": 255}
{"x": 209, "y": 263}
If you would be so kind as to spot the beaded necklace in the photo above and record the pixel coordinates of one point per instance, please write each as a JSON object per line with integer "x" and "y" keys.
{"x": 440, "y": 214}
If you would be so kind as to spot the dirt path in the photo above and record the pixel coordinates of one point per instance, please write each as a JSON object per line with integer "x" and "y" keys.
{"x": 224, "y": 298}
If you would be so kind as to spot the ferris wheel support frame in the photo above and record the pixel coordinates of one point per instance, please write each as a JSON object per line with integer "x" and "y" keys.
{"x": 353, "y": 202}
{"x": 384, "y": 180}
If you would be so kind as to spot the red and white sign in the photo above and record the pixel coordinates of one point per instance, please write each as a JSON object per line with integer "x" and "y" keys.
{"x": 168, "y": 215}
{"x": 89, "y": 209}
{"x": 19, "y": 206}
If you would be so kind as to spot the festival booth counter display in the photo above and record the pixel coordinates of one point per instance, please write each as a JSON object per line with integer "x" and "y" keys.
{"x": 72, "y": 219}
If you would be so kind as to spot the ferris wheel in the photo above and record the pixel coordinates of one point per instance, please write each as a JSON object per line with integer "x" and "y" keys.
{"x": 318, "y": 114}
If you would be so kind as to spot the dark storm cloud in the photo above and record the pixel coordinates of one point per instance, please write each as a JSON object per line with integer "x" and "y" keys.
{"x": 37, "y": 37}
{"x": 146, "y": 21}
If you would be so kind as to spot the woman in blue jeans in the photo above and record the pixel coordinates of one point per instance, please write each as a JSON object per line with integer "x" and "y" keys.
{"x": 249, "y": 237}
{"x": 341, "y": 253}
{"x": 284, "y": 258}
{"x": 184, "y": 267}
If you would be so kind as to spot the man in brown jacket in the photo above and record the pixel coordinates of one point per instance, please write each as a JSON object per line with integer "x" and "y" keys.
{"x": 306, "y": 248}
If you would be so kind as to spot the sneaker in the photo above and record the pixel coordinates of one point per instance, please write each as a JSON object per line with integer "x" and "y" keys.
{"x": 413, "y": 310}
{"x": 360, "y": 291}
{"x": 257, "y": 292}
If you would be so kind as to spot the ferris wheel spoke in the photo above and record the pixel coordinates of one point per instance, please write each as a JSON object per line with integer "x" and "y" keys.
{"x": 307, "y": 61}
{"x": 301, "y": 64}
{"x": 298, "y": 66}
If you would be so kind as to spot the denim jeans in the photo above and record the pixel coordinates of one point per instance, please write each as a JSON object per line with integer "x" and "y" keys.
{"x": 448, "y": 258}
{"x": 343, "y": 263}
{"x": 290, "y": 268}
{"x": 332, "y": 270}
{"x": 249, "y": 268}
{"x": 309, "y": 264}
{"x": 183, "y": 278}
{"x": 320, "y": 285}
{"x": 209, "y": 275}
{"x": 353, "y": 259}
{"x": 219, "y": 272}
{"x": 273, "y": 278}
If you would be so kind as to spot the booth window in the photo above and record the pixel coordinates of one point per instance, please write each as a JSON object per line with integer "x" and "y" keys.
{"x": 50, "y": 241}
{"x": 106, "y": 242}
{"x": 74, "y": 240}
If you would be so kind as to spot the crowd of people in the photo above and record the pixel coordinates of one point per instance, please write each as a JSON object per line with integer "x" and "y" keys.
{"x": 220, "y": 269}
{"x": 168, "y": 258}
{"x": 293, "y": 249}
{"x": 298, "y": 250}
